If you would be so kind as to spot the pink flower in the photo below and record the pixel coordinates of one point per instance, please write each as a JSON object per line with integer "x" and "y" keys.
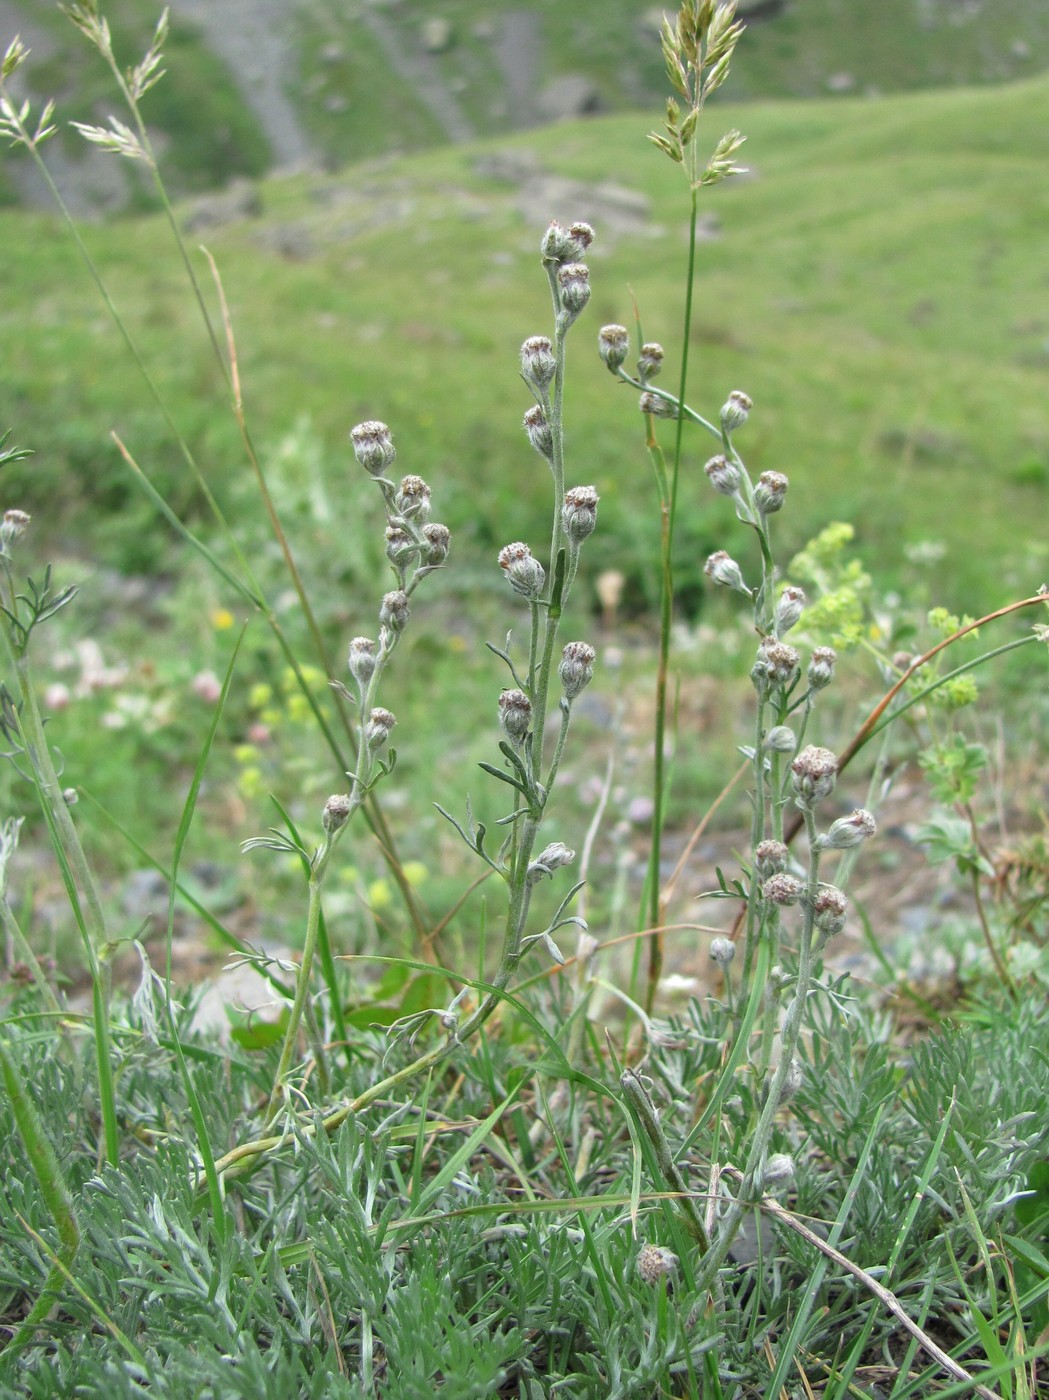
{"x": 207, "y": 686}
{"x": 56, "y": 697}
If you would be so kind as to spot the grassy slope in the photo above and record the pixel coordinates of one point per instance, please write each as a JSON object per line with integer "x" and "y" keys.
{"x": 879, "y": 289}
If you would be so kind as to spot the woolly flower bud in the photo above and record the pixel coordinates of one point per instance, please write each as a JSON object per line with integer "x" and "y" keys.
{"x": 579, "y": 515}
{"x": 781, "y": 889}
{"x": 12, "y": 527}
{"x": 573, "y": 281}
{"x": 393, "y": 612}
{"x": 722, "y": 950}
{"x": 846, "y": 832}
{"x": 777, "y": 665}
{"x": 778, "y": 1170}
{"x": 566, "y": 245}
{"x": 613, "y": 345}
{"x": 723, "y": 570}
{"x": 770, "y": 492}
{"x": 336, "y": 812}
{"x": 539, "y": 433}
{"x": 373, "y": 446}
{"x": 524, "y": 571}
{"x": 515, "y": 714}
{"x": 821, "y": 667}
{"x": 781, "y": 739}
{"x": 815, "y": 772}
{"x": 361, "y": 660}
{"x": 724, "y": 475}
{"x": 828, "y": 910}
{"x": 537, "y": 361}
{"x": 377, "y": 730}
{"x": 735, "y": 410}
{"x": 655, "y": 1262}
{"x": 439, "y": 538}
{"x": 400, "y": 547}
{"x": 770, "y": 858}
{"x": 792, "y": 1082}
{"x": 577, "y": 668}
{"x": 550, "y": 859}
{"x": 413, "y": 498}
{"x": 790, "y": 606}
{"x": 650, "y": 360}
{"x": 658, "y": 407}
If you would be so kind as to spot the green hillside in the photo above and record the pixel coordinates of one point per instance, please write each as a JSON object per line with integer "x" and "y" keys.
{"x": 252, "y": 82}
{"x": 878, "y": 285}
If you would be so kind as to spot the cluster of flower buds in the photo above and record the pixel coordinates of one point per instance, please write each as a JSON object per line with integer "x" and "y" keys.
{"x": 566, "y": 245}
{"x": 776, "y": 667}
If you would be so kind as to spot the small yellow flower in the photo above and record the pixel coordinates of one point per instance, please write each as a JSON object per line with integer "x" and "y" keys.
{"x": 245, "y": 753}
{"x": 260, "y": 694}
{"x": 250, "y": 783}
{"x": 222, "y": 619}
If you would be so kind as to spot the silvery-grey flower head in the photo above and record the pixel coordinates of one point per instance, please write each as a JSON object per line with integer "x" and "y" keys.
{"x": 829, "y": 910}
{"x": 523, "y": 570}
{"x": 413, "y": 499}
{"x": 377, "y": 730}
{"x": 723, "y": 570}
{"x": 821, "y": 667}
{"x": 650, "y": 360}
{"x": 336, "y": 812}
{"x": 722, "y": 950}
{"x": 724, "y": 475}
{"x": 577, "y": 668}
{"x": 770, "y": 858}
{"x": 735, "y": 410}
{"x": 770, "y": 492}
{"x": 540, "y": 434}
{"x": 439, "y": 538}
{"x": 847, "y": 832}
{"x": 613, "y": 344}
{"x": 815, "y": 772}
{"x": 515, "y": 714}
{"x": 361, "y": 660}
{"x": 573, "y": 285}
{"x": 579, "y": 516}
{"x": 782, "y": 889}
{"x": 394, "y": 611}
{"x": 551, "y": 858}
{"x": 538, "y": 365}
{"x": 657, "y": 406}
{"x": 373, "y": 446}
{"x": 789, "y": 607}
{"x": 655, "y": 1262}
